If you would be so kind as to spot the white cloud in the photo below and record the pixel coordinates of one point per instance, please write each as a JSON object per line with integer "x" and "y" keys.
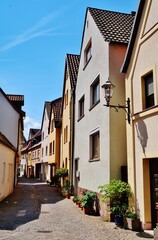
{"x": 30, "y": 123}
{"x": 33, "y": 32}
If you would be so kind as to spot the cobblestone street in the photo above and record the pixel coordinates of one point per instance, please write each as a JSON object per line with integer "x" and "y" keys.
{"x": 36, "y": 211}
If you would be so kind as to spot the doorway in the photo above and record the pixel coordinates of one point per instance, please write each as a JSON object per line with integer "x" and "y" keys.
{"x": 153, "y": 164}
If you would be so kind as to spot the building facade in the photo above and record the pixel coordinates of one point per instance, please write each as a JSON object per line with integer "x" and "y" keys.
{"x": 100, "y": 139}
{"x": 141, "y": 68}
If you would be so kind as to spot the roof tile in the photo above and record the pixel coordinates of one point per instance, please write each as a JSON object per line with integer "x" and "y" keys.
{"x": 73, "y": 66}
{"x": 114, "y": 26}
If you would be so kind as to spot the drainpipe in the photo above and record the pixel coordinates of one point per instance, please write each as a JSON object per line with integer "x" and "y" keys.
{"x": 72, "y": 128}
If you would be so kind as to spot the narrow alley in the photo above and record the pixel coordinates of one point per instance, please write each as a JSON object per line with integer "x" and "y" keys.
{"x": 36, "y": 211}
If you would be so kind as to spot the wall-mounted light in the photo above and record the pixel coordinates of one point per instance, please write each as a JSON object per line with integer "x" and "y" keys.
{"x": 108, "y": 92}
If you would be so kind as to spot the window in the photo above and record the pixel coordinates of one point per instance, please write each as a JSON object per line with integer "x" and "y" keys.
{"x": 148, "y": 90}
{"x": 66, "y": 99}
{"x": 4, "y": 172}
{"x": 42, "y": 152}
{"x": 53, "y": 146}
{"x": 66, "y": 134}
{"x": 81, "y": 108}
{"x": 94, "y": 92}
{"x": 50, "y": 149}
{"x": 46, "y": 150}
{"x": 95, "y": 146}
{"x": 88, "y": 52}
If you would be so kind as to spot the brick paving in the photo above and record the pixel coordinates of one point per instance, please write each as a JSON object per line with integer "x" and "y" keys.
{"x": 37, "y": 212}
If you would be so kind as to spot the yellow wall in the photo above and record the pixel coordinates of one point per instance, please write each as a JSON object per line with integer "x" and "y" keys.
{"x": 66, "y": 124}
{"x": 118, "y": 154}
{"x": 7, "y": 158}
{"x": 142, "y": 132}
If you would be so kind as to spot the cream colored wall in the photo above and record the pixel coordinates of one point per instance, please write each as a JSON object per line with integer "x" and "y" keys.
{"x": 142, "y": 133}
{"x": 95, "y": 173}
{"x": 106, "y": 61}
{"x": 66, "y": 122}
{"x": 7, "y": 156}
{"x": 118, "y": 153}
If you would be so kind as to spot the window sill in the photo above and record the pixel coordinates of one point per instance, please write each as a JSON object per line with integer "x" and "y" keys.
{"x": 145, "y": 113}
{"x": 87, "y": 63}
{"x": 94, "y": 159}
{"x": 94, "y": 105}
{"x": 80, "y": 118}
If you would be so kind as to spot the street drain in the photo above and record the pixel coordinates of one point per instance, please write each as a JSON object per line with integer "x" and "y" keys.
{"x": 44, "y": 212}
{"x": 44, "y": 231}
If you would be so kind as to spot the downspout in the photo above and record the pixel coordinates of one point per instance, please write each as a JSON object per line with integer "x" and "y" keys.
{"x": 72, "y": 138}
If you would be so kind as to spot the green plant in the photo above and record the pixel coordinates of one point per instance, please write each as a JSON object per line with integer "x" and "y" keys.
{"x": 88, "y": 199}
{"x": 61, "y": 172}
{"x": 115, "y": 195}
{"x": 131, "y": 215}
{"x": 76, "y": 199}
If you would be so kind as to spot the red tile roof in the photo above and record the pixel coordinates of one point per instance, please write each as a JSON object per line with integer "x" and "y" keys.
{"x": 15, "y": 98}
{"x": 56, "y": 108}
{"x": 114, "y": 26}
{"x": 73, "y": 66}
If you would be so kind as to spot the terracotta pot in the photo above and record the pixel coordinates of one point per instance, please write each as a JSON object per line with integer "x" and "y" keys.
{"x": 88, "y": 210}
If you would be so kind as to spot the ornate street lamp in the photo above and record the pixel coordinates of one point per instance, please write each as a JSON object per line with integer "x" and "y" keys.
{"x": 108, "y": 92}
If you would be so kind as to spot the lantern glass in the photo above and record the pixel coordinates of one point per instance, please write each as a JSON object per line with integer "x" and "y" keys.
{"x": 108, "y": 91}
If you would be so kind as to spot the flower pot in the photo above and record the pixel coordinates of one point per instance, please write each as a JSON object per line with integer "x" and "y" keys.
{"x": 132, "y": 224}
{"x": 68, "y": 196}
{"x": 118, "y": 220}
{"x": 88, "y": 210}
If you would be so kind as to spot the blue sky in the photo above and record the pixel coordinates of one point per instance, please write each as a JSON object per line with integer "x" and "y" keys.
{"x": 35, "y": 36}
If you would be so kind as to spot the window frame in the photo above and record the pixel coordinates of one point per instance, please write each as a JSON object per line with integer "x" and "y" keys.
{"x": 81, "y": 107}
{"x": 88, "y": 53}
{"x": 93, "y": 86}
{"x": 145, "y": 98}
{"x": 92, "y": 148}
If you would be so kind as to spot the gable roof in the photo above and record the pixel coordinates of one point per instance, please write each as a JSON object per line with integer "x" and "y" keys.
{"x": 35, "y": 139}
{"x": 32, "y": 132}
{"x": 10, "y": 102}
{"x": 73, "y": 66}
{"x": 47, "y": 107}
{"x": 56, "y": 110}
{"x": 16, "y": 98}
{"x": 133, "y": 36}
{"x": 56, "y": 107}
{"x": 114, "y": 26}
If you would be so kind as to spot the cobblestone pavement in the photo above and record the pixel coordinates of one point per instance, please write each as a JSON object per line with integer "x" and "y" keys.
{"x": 36, "y": 212}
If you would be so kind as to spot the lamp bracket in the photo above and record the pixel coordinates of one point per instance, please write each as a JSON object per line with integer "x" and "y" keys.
{"x": 126, "y": 108}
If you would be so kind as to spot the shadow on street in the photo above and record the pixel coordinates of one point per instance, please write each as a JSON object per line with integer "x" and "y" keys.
{"x": 24, "y": 205}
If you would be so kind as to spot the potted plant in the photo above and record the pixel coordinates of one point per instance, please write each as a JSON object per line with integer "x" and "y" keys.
{"x": 156, "y": 232}
{"x": 66, "y": 189}
{"x": 87, "y": 201}
{"x": 131, "y": 221}
{"x": 116, "y": 194}
{"x": 61, "y": 173}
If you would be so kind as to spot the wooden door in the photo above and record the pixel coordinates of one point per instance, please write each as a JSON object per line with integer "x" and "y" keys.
{"x": 154, "y": 190}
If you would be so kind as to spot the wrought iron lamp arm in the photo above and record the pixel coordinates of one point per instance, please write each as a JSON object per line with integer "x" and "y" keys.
{"x": 126, "y": 108}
